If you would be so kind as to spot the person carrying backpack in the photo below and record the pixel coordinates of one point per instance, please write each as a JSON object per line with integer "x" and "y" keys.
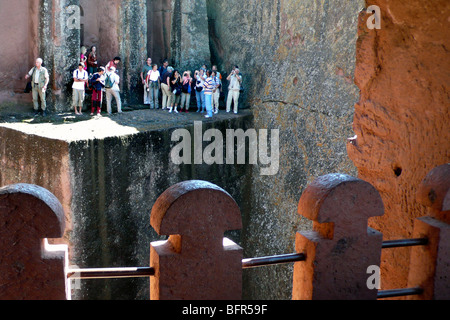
{"x": 112, "y": 81}
{"x": 97, "y": 83}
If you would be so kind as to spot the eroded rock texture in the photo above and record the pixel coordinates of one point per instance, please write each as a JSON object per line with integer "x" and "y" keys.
{"x": 402, "y": 117}
{"x": 297, "y": 59}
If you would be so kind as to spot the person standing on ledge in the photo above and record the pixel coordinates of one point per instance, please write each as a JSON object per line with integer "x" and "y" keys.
{"x": 113, "y": 63}
{"x": 165, "y": 88}
{"x": 39, "y": 81}
{"x": 234, "y": 89}
{"x": 98, "y": 83}
{"x": 186, "y": 90}
{"x": 208, "y": 87}
{"x": 217, "y": 87}
{"x": 92, "y": 61}
{"x": 199, "y": 92}
{"x": 145, "y": 70}
{"x": 112, "y": 81}
{"x": 153, "y": 85}
{"x": 83, "y": 57}
{"x": 80, "y": 78}
{"x": 175, "y": 88}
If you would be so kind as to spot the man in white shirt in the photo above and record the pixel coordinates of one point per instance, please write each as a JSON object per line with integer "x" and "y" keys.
{"x": 112, "y": 81}
{"x": 39, "y": 81}
{"x": 153, "y": 86}
{"x": 234, "y": 89}
{"x": 80, "y": 78}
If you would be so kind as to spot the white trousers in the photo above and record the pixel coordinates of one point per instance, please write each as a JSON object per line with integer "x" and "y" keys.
{"x": 233, "y": 97}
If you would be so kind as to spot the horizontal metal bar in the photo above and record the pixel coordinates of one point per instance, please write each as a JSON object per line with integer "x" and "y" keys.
{"x": 246, "y": 263}
{"x": 110, "y": 273}
{"x": 272, "y": 260}
{"x": 399, "y": 293}
{"x": 404, "y": 243}
{"x": 113, "y": 273}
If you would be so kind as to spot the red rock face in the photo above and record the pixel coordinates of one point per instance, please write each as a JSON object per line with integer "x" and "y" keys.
{"x": 402, "y": 118}
{"x": 18, "y": 46}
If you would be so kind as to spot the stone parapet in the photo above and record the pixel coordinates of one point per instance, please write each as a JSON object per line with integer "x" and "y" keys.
{"x": 30, "y": 268}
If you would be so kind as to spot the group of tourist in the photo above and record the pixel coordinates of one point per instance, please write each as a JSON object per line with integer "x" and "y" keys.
{"x": 176, "y": 89}
{"x": 97, "y": 78}
{"x": 173, "y": 87}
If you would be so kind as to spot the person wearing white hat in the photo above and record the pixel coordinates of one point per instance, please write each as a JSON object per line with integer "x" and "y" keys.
{"x": 112, "y": 81}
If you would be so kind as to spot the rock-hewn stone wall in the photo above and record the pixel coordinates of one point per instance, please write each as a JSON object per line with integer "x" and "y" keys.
{"x": 159, "y": 25}
{"x": 108, "y": 175}
{"x": 402, "y": 118}
{"x": 18, "y": 18}
{"x": 115, "y": 184}
{"x": 133, "y": 47}
{"x": 297, "y": 59}
{"x": 298, "y": 62}
{"x": 189, "y": 35}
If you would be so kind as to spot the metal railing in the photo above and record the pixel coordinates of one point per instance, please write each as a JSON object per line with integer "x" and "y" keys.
{"x": 114, "y": 273}
{"x": 110, "y": 273}
{"x": 404, "y": 243}
{"x": 383, "y": 294}
{"x": 272, "y": 260}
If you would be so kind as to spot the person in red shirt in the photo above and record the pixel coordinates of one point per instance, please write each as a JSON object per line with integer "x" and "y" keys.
{"x": 113, "y": 63}
{"x": 92, "y": 61}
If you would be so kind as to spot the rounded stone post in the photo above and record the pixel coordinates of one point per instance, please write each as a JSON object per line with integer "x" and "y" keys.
{"x": 430, "y": 264}
{"x": 196, "y": 262}
{"x": 30, "y": 269}
{"x": 340, "y": 248}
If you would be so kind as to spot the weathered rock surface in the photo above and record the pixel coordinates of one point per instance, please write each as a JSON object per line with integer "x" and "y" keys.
{"x": 402, "y": 118}
{"x": 297, "y": 60}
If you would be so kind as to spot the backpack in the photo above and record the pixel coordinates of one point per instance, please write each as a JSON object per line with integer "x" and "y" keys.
{"x": 198, "y": 86}
{"x": 29, "y": 87}
{"x": 91, "y": 81}
{"x": 108, "y": 82}
{"x": 186, "y": 87}
{"x": 177, "y": 88}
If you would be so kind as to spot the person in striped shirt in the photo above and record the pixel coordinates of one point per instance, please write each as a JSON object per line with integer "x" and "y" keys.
{"x": 208, "y": 89}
